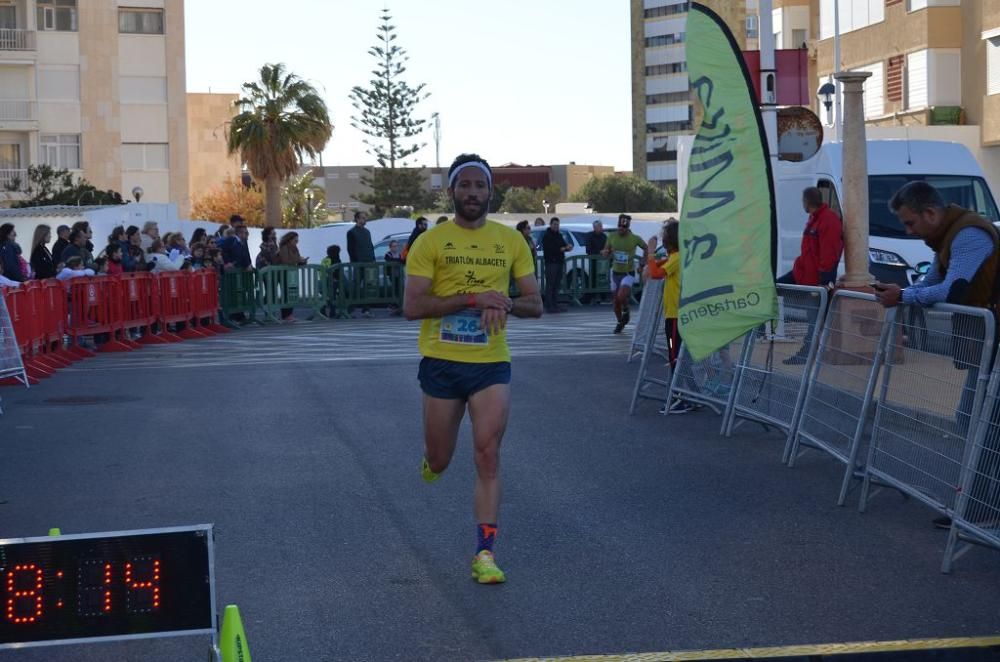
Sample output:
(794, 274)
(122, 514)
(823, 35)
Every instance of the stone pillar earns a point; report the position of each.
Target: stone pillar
(855, 181)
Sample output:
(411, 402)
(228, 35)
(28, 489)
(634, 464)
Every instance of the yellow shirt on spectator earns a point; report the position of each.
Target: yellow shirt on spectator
(672, 286)
(463, 261)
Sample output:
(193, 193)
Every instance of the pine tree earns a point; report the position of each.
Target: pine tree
(386, 114)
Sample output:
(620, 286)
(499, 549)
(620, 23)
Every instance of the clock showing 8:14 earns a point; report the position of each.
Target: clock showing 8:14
(106, 586)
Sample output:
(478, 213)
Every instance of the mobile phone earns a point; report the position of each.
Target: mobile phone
(879, 286)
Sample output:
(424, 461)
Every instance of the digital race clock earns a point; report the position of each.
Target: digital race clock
(107, 586)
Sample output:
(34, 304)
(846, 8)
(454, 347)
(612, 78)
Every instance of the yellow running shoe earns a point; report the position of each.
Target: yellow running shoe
(485, 570)
(425, 471)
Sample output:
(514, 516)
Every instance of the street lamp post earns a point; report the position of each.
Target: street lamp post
(825, 95)
(545, 204)
(309, 204)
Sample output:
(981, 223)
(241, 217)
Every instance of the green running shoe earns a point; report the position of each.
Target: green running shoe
(425, 471)
(485, 570)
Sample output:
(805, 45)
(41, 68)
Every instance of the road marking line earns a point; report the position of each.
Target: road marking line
(743, 654)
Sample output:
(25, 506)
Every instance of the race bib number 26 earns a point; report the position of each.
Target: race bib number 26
(463, 328)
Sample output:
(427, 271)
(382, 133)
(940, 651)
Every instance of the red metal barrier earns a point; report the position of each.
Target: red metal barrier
(43, 313)
(174, 304)
(93, 311)
(205, 291)
(17, 307)
(40, 321)
(33, 330)
(54, 308)
(139, 306)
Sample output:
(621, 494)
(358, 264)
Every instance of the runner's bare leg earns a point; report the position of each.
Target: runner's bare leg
(488, 409)
(441, 421)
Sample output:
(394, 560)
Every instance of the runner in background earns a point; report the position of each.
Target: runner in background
(621, 249)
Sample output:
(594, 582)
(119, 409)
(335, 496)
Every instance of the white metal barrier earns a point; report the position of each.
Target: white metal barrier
(842, 380)
(772, 373)
(932, 387)
(648, 340)
(10, 355)
(650, 316)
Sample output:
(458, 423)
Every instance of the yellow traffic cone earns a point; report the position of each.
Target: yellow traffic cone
(55, 532)
(233, 640)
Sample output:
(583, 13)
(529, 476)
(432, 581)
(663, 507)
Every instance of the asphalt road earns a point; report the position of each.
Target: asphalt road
(301, 443)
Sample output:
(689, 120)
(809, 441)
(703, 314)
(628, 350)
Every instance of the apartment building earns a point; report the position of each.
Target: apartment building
(210, 165)
(661, 105)
(97, 87)
(932, 61)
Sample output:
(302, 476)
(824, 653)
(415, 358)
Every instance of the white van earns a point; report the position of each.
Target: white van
(895, 256)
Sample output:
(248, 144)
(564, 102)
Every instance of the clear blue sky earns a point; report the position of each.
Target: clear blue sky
(528, 81)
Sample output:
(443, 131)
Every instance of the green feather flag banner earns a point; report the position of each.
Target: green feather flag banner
(728, 212)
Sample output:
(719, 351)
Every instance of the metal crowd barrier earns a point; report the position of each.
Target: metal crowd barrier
(588, 276)
(709, 381)
(238, 295)
(842, 380)
(368, 284)
(933, 382)
(976, 518)
(11, 365)
(649, 316)
(772, 372)
(285, 286)
(647, 337)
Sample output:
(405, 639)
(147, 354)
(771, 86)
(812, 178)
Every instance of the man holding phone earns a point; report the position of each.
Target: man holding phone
(965, 251)
(963, 272)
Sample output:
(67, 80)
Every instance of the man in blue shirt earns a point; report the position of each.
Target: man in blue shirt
(964, 272)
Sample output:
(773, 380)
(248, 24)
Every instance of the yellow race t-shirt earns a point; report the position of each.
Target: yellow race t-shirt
(463, 261)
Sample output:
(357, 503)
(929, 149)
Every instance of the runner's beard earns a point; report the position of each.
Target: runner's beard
(462, 210)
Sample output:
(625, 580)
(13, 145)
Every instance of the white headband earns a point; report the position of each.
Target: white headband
(479, 165)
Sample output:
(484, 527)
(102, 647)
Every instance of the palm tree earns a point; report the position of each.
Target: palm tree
(280, 118)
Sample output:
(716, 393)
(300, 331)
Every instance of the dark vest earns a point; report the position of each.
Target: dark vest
(980, 292)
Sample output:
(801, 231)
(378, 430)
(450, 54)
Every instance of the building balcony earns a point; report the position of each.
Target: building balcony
(18, 110)
(13, 180)
(16, 39)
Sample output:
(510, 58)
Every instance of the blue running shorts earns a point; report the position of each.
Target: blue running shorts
(451, 380)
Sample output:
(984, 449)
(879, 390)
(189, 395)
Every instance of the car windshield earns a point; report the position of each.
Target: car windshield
(962, 190)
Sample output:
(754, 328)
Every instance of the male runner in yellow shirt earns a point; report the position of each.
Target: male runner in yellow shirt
(456, 282)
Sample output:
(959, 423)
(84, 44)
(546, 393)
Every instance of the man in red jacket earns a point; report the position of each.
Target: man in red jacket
(822, 246)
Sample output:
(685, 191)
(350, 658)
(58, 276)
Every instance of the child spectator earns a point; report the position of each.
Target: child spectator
(113, 255)
(198, 258)
(216, 261)
(393, 255)
(74, 269)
